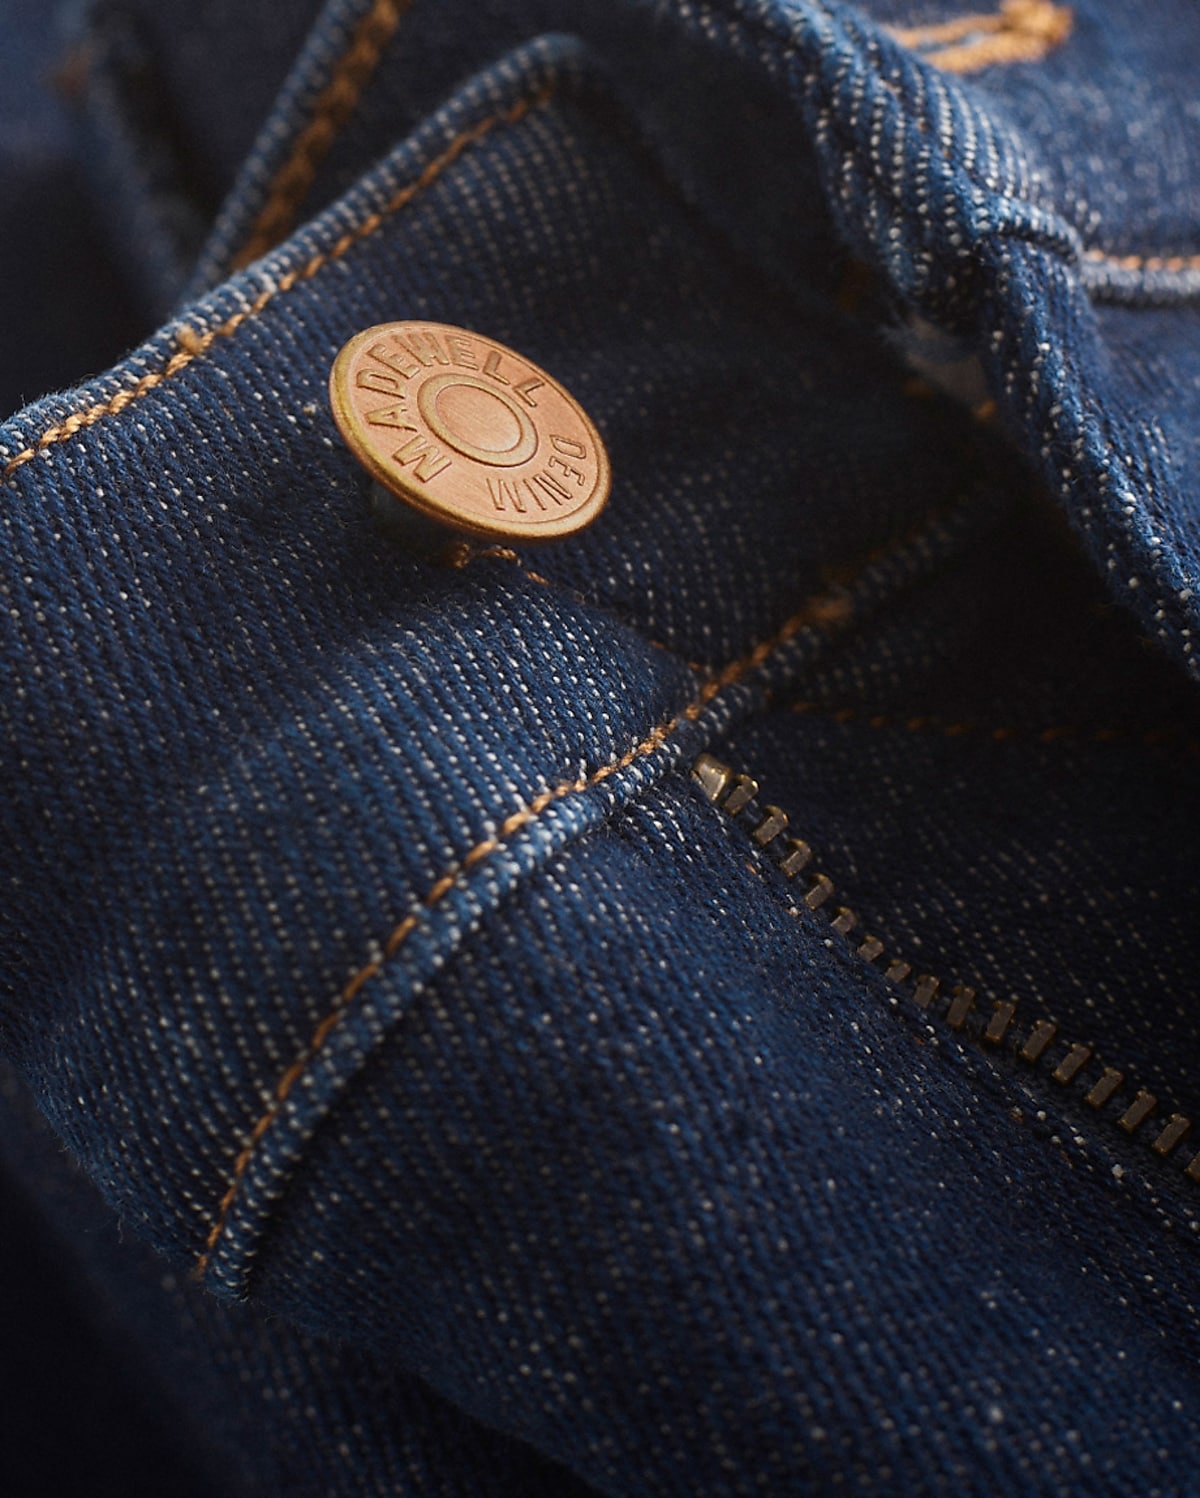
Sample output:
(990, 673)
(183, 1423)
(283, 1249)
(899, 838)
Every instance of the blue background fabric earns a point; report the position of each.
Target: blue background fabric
(455, 1098)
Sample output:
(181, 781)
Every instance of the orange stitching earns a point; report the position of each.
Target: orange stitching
(334, 106)
(1163, 738)
(1173, 263)
(824, 610)
(464, 554)
(1021, 31)
(193, 344)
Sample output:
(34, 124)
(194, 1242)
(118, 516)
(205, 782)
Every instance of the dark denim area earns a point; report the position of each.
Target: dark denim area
(74, 1418)
(138, 1382)
(68, 312)
(461, 1095)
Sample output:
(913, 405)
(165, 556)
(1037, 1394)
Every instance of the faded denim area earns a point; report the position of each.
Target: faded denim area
(504, 1107)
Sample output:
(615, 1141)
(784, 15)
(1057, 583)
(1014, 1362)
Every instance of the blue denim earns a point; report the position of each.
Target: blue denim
(490, 1010)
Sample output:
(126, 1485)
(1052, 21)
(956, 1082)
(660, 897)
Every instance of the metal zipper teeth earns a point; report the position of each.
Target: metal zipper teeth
(1039, 1044)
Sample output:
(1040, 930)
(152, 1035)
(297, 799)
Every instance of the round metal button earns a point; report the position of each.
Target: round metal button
(468, 432)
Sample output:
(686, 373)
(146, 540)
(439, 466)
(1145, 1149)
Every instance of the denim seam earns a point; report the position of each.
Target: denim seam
(1176, 265)
(332, 110)
(1020, 31)
(1072, 422)
(827, 610)
(731, 696)
(1046, 230)
(192, 345)
(1076, 1066)
(1025, 220)
(1149, 279)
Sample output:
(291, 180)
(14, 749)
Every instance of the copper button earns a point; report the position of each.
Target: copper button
(468, 432)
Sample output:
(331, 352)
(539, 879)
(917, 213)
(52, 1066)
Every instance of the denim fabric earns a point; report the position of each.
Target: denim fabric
(230, 1402)
(74, 1416)
(497, 1115)
(175, 94)
(67, 312)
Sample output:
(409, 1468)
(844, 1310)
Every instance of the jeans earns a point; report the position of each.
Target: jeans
(706, 1007)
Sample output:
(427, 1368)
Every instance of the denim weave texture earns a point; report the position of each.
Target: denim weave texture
(436, 1086)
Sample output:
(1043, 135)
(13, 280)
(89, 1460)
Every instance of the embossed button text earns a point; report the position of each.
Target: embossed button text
(469, 432)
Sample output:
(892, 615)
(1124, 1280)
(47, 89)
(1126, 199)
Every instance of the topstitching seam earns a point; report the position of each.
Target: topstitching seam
(1020, 31)
(828, 609)
(331, 111)
(1057, 236)
(1175, 264)
(193, 345)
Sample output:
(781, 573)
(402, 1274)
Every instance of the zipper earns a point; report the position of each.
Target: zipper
(1037, 1044)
